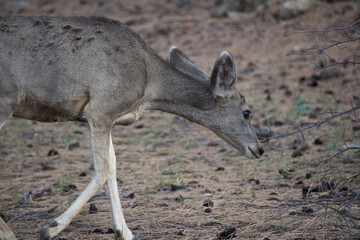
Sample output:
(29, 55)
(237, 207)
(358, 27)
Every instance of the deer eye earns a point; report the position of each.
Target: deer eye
(246, 114)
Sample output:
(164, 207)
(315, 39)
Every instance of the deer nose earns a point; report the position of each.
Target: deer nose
(261, 151)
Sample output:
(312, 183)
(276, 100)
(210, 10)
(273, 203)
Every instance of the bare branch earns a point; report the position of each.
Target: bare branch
(311, 125)
(338, 37)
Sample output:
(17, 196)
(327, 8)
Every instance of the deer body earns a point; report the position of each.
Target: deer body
(98, 71)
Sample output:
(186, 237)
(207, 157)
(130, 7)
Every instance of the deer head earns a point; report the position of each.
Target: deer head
(229, 116)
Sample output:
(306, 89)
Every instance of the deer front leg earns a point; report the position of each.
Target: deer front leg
(122, 232)
(100, 145)
(5, 231)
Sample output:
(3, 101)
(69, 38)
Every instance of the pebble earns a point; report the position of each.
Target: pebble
(208, 203)
(72, 146)
(228, 233)
(128, 194)
(208, 210)
(53, 152)
(93, 208)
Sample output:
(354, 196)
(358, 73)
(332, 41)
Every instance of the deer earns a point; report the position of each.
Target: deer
(97, 70)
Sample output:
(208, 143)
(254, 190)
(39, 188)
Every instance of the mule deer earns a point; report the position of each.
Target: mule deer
(98, 71)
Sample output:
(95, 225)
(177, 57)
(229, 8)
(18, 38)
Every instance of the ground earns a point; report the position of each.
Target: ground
(264, 198)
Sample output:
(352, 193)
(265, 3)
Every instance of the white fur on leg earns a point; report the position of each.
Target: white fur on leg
(5, 231)
(3, 120)
(100, 150)
(117, 213)
(64, 219)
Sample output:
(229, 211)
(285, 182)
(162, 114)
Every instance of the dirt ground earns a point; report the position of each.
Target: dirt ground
(173, 165)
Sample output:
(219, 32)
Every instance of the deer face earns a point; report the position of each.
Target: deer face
(229, 118)
(231, 121)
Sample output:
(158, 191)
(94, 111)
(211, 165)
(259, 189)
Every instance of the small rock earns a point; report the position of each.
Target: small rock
(99, 194)
(330, 92)
(191, 146)
(318, 141)
(307, 210)
(161, 205)
(300, 182)
(284, 173)
(208, 191)
(302, 79)
(296, 153)
(139, 228)
(356, 127)
(175, 187)
(305, 190)
(220, 169)
(278, 123)
(97, 230)
(93, 208)
(29, 135)
(228, 233)
(46, 166)
(179, 199)
(168, 173)
(72, 146)
(214, 143)
(53, 152)
(208, 210)
(313, 83)
(128, 194)
(208, 203)
(69, 187)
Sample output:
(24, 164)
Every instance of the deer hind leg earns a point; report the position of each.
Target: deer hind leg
(5, 114)
(100, 145)
(122, 232)
(5, 231)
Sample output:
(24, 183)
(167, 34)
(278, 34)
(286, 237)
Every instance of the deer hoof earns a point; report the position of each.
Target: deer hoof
(44, 234)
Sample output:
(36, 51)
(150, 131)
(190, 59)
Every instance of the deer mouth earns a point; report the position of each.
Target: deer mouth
(253, 153)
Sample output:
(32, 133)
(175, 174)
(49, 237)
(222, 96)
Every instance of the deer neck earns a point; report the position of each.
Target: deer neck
(174, 92)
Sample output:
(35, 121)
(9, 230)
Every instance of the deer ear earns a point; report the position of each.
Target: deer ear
(223, 76)
(183, 64)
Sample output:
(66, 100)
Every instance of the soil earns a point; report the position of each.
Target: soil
(176, 168)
